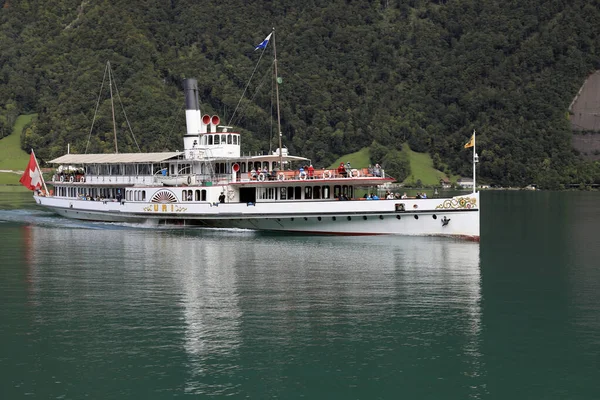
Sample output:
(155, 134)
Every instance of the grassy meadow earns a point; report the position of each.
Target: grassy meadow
(11, 155)
(421, 166)
(360, 159)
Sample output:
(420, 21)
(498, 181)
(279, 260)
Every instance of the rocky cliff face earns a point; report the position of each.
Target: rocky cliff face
(585, 118)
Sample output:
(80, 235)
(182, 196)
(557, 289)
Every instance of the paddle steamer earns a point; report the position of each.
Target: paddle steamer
(211, 184)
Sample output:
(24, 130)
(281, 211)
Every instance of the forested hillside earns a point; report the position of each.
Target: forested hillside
(355, 73)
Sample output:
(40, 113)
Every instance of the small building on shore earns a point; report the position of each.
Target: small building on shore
(466, 183)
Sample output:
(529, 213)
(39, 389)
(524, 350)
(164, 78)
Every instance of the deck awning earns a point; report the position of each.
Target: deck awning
(121, 158)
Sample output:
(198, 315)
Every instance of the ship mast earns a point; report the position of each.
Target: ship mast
(112, 106)
(475, 161)
(277, 99)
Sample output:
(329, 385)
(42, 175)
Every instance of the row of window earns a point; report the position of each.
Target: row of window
(181, 169)
(222, 138)
(135, 169)
(316, 192)
(174, 169)
(225, 168)
(135, 195)
(258, 166)
(193, 195)
(118, 169)
(94, 193)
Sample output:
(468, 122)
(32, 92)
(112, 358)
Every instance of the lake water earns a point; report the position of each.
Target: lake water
(129, 311)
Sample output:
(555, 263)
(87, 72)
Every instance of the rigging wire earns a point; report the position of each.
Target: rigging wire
(246, 88)
(258, 87)
(108, 71)
(126, 119)
(96, 111)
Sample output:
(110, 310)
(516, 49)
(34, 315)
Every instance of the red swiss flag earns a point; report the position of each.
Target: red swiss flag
(32, 177)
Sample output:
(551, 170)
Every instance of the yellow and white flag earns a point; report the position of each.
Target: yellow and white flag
(471, 142)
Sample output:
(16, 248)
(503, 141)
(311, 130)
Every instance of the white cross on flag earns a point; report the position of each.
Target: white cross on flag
(32, 177)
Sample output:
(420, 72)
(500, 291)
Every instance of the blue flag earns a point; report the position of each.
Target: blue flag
(264, 43)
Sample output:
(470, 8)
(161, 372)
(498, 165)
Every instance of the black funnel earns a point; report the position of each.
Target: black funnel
(190, 89)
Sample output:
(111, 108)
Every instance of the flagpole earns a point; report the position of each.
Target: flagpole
(39, 169)
(277, 95)
(474, 161)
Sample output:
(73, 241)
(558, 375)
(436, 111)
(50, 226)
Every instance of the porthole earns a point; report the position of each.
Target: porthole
(381, 216)
(333, 218)
(416, 217)
(349, 218)
(318, 218)
(365, 217)
(434, 216)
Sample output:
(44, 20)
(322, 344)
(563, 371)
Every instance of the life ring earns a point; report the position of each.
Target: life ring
(326, 174)
(82, 179)
(281, 176)
(62, 178)
(302, 175)
(261, 177)
(189, 180)
(355, 173)
(71, 179)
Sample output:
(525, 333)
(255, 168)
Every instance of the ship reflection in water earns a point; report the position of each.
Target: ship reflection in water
(238, 312)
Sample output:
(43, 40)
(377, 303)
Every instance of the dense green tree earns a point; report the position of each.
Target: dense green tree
(396, 164)
(355, 74)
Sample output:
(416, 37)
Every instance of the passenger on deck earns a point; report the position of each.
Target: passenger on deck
(311, 172)
(222, 198)
(348, 170)
(342, 171)
(377, 170)
(253, 174)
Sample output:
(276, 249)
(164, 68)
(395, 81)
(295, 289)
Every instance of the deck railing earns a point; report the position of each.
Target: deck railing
(304, 175)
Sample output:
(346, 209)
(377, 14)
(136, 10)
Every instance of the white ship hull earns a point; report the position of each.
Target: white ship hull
(423, 217)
